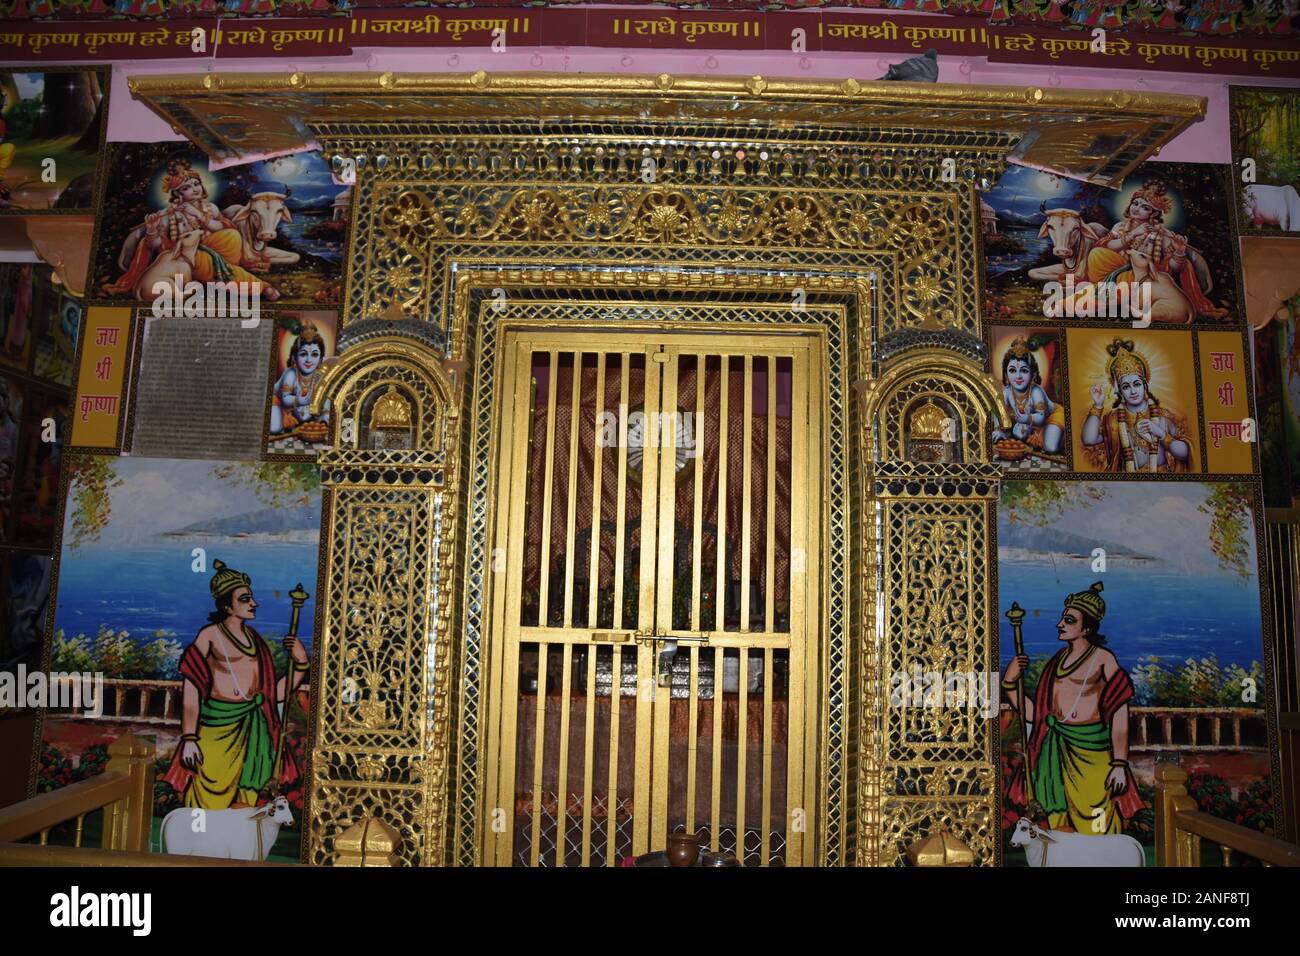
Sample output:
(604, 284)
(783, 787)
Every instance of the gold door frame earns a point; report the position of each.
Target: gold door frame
(800, 641)
(764, 190)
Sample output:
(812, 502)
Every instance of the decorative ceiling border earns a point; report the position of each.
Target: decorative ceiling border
(1096, 135)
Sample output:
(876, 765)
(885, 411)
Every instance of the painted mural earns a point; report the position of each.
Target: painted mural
(302, 344)
(1266, 150)
(1285, 329)
(189, 580)
(281, 223)
(1141, 636)
(25, 588)
(50, 127)
(1159, 249)
(1133, 399)
(12, 402)
(1031, 373)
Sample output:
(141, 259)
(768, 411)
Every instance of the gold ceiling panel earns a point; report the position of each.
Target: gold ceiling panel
(1096, 135)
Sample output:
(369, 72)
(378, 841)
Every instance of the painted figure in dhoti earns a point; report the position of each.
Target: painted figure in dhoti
(1138, 430)
(217, 256)
(1035, 418)
(230, 716)
(1079, 720)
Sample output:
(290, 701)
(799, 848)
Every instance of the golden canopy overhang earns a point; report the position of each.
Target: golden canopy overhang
(1092, 135)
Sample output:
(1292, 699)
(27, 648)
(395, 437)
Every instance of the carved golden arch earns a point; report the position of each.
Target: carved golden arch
(369, 368)
(929, 374)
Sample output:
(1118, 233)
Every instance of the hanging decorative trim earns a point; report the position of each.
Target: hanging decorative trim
(1279, 18)
(501, 29)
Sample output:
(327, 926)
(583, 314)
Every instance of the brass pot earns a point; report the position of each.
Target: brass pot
(683, 849)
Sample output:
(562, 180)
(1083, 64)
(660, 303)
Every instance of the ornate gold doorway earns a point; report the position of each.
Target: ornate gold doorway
(657, 535)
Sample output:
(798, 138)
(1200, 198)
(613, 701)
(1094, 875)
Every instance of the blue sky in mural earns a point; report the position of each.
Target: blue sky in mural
(1166, 593)
(138, 576)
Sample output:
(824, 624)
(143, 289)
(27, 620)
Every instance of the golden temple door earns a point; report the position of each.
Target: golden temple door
(656, 654)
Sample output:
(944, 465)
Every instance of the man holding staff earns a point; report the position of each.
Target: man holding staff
(1078, 746)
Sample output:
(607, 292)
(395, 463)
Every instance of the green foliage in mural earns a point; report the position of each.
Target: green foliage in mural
(115, 654)
(91, 479)
(1040, 503)
(1229, 507)
(1196, 683)
(1269, 125)
(278, 483)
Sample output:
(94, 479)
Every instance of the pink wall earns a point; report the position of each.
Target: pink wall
(1207, 141)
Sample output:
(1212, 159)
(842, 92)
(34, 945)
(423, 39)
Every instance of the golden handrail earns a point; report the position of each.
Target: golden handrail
(1180, 826)
(124, 791)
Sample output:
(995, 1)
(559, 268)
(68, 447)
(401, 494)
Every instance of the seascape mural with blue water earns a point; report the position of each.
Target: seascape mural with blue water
(1179, 574)
(140, 548)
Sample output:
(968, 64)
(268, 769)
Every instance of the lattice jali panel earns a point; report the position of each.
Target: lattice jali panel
(379, 566)
(936, 673)
(973, 820)
(336, 806)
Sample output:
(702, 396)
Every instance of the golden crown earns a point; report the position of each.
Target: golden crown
(1019, 348)
(1125, 360)
(227, 579)
(391, 411)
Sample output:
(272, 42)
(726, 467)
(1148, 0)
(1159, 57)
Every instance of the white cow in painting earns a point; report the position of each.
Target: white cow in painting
(244, 834)
(257, 223)
(1072, 239)
(1272, 206)
(1058, 848)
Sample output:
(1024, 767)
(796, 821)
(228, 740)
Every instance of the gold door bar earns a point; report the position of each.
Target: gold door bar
(571, 521)
(543, 615)
(611, 802)
(588, 751)
(746, 480)
(715, 782)
(665, 443)
(767, 751)
(742, 745)
(562, 786)
(539, 743)
(620, 521)
(597, 465)
(769, 569)
(697, 543)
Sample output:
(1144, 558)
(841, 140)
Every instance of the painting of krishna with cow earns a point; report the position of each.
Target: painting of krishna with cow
(1063, 249)
(280, 222)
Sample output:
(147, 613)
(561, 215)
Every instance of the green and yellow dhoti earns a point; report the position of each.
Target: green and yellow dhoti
(237, 754)
(1070, 778)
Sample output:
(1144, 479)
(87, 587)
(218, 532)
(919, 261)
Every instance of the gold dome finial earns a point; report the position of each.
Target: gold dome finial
(391, 411)
(927, 422)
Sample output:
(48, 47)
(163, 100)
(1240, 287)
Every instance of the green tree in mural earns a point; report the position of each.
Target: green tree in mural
(1269, 133)
(279, 484)
(91, 479)
(1041, 503)
(1229, 506)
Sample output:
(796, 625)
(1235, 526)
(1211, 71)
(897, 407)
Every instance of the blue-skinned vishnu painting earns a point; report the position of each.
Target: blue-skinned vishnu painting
(189, 584)
(1142, 640)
